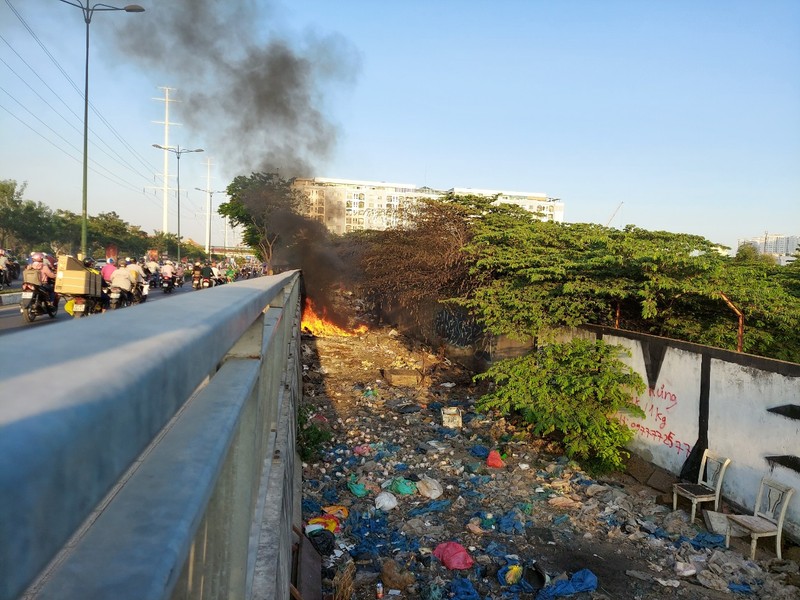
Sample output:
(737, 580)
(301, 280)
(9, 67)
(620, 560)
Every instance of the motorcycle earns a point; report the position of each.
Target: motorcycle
(167, 284)
(206, 282)
(196, 281)
(140, 292)
(118, 298)
(36, 301)
(85, 305)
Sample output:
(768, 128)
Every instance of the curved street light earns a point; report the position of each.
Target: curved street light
(209, 204)
(177, 151)
(88, 12)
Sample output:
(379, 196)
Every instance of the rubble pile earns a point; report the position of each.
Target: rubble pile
(419, 496)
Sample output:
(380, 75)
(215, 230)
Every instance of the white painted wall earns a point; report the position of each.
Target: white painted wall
(739, 425)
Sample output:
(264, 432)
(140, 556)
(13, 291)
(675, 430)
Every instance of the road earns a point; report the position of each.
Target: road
(11, 320)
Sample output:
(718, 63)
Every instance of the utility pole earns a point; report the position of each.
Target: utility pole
(166, 123)
(209, 205)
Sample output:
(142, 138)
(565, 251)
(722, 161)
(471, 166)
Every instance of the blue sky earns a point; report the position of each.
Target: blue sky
(679, 115)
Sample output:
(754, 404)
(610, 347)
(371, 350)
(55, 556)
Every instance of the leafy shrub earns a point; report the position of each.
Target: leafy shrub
(574, 389)
(310, 437)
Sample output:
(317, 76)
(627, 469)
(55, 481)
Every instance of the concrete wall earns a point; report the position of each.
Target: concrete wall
(700, 397)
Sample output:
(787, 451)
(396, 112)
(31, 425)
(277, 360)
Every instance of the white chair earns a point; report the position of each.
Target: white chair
(767, 518)
(709, 483)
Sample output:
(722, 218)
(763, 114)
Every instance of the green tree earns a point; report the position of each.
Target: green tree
(576, 390)
(24, 224)
(749, 254)
(259, 204)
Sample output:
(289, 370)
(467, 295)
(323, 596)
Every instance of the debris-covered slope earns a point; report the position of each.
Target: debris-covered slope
(482, 510)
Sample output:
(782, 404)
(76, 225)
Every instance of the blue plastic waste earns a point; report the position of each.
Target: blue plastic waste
(740, 588)
(330, 495)
(510, 523)
(311, 507)
(479, 451)
(462, 589)
(582, 581)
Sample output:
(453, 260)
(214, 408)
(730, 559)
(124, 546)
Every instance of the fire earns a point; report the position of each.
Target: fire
(320, 326)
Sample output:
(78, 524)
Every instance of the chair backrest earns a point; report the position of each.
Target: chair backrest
(712, 470)
(772, 500)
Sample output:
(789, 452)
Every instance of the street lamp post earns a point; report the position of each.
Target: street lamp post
(88, 12)
(177, 151)
(209, 205)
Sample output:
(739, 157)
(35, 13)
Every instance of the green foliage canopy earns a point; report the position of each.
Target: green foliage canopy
(574, 389)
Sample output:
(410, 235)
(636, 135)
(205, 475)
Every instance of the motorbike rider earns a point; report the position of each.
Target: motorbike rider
(217, 275)
(108, 269)
(168, 270)
(137, 275)
(136, 271)
(5, 274)
(180, 274)
(121, 278)
(153, 270)
(208, 273)
(47, 277)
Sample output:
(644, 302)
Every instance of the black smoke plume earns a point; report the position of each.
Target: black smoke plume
(254, 95)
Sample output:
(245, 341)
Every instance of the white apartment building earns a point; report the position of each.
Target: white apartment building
(346, 205)
(775, 244)
(551, 208)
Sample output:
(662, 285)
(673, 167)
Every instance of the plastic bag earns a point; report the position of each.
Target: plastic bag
(329, 522)
(494, 460)
(359, 489)
(429, 487)
(453, 556)
(402, 486)
(582, 581)
(385, 501)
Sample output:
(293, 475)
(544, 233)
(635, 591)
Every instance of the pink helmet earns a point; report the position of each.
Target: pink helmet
(37, 257)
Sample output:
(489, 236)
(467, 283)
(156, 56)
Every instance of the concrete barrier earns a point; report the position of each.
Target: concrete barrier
(138, 449)
(12, 298)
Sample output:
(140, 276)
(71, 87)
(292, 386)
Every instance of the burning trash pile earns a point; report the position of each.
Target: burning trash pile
(416, 495)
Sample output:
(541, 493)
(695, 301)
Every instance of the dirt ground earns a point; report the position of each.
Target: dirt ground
(381, 396)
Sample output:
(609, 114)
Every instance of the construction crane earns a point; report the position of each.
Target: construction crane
(614, 214)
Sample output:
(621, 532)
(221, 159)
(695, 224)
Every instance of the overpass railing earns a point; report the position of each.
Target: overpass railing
(149, 453)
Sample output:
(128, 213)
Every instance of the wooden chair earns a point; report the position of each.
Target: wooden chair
(767, 518)
(709, 483)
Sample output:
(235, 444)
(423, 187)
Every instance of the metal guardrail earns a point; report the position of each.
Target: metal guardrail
(149, 453)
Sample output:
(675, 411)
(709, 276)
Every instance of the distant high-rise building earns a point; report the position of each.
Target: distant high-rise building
(772, 243)
(345, 205)
(552, 209)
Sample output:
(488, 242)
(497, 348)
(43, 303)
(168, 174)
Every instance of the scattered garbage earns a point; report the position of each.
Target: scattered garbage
(422, 494)
(451, 417)
(453, 556)
(385, 501)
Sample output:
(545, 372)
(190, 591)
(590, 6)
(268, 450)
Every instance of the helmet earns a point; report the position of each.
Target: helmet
(169, 262)
(197, 263)
(88, 261)
(128, 261)
(110, 261)
(37, 257)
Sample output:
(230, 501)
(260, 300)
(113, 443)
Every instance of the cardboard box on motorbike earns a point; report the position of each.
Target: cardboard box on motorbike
(72, 278)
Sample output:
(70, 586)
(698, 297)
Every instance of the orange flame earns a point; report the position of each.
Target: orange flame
(321, 326)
